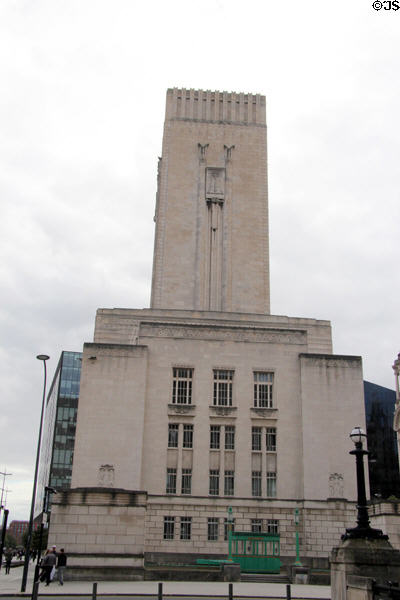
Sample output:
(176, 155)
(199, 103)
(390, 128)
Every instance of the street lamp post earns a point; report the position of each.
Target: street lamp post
(296, 522)
(363, 529)
(5, 474)
(3, 534)
(230, 527)
(42, 357)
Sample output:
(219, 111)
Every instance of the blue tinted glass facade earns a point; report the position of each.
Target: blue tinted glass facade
(58, 440)
(65, 420)
(383, 463)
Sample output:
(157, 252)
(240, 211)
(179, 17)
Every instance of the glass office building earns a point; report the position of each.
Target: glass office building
(383, 465)
(59, 427)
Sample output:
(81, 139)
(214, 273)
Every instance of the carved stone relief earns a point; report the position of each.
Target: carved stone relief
(106, 476)
(221, 333)
(181, 409)
(215, 183)
(228, 152)
(223, 411)
(336, 482)
(202, 151)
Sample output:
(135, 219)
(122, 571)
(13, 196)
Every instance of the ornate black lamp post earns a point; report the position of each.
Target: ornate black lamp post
(363, 529)
(42, 357)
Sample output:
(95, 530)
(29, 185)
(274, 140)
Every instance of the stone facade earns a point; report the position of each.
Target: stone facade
(205, 400)
(211, 243)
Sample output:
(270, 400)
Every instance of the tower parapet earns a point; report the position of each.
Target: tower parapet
(215, 107)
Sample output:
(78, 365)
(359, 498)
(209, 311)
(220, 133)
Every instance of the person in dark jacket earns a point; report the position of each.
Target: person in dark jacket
(9, 556)
(48, 563)
(61, 564)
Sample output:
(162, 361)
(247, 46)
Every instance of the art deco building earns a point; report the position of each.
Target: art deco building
(205, 400)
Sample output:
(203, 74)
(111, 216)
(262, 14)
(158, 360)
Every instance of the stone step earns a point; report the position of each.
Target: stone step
(265, 577)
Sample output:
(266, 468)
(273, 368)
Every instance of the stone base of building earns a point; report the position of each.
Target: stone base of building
(106, 531)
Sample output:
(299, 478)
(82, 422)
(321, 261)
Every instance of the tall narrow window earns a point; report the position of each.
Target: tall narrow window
(229, 437)
(212, 529)
(169, 528)
(263, 383)
(188, 436)
(215, 434)
(256, 483)
(271, 484)
(256, 438)
(271, 439)
(222, 388)
(171, 481)
(186, 481)
(186, 528)
(182, 386)
(214, 482)
(256, 525)
(173, 431)
(229, 483)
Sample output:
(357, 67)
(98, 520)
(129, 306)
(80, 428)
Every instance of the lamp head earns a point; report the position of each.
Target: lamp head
(358, 435)
(42, 357)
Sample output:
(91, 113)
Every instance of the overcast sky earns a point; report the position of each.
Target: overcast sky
(82, 97)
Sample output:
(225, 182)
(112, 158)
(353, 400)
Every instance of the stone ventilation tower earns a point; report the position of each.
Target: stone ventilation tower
(211, 242)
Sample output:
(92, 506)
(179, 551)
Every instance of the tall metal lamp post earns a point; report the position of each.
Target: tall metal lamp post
(42, 357)
(296, 523)
(229, 521)
(363, 529)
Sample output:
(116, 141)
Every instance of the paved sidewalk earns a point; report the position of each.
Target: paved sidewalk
(10, 585)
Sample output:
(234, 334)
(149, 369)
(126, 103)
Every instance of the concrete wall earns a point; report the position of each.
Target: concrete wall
(332, 403)
(99, 526)
(109, 434)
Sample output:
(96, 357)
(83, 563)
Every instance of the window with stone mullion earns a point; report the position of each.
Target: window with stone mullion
(271, 484)
(187, 436)
(171, 481)
(169, 528)
(214, 482)
(256, 483)
(229, 437)
(256, 525)
(186, 528)
(212, 529)
(229, 483)
(263, 386)
(173, 432)
(215, 435)
(273, 526)
(222, 388)
(186, 481)
(182, 386)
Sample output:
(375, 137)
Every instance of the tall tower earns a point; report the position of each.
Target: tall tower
(211, 240)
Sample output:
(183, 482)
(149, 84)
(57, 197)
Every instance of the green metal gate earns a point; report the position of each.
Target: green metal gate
(255, 552)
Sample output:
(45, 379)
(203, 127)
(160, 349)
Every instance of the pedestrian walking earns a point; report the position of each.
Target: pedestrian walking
(48, 563)
(8, 556)
(61, 564)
